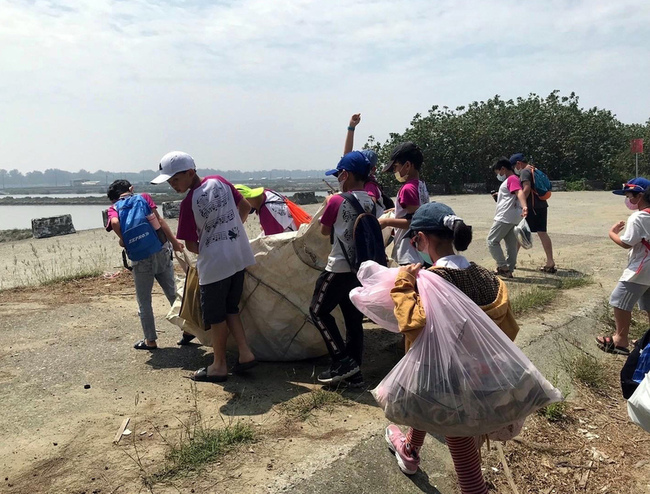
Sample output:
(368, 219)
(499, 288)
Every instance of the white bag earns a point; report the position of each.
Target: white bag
(524, 235)
(638, 406)
(462, 376)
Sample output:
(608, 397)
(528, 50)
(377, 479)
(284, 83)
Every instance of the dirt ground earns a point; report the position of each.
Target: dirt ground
(69, 376)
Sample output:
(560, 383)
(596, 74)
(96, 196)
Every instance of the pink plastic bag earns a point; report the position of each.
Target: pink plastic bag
(462, 376)
(373, 298)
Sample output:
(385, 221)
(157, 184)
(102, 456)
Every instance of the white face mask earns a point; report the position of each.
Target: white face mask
(341, 182)
(501, 178)
(517, 171)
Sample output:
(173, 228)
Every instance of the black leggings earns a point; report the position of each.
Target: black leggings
(333, 289)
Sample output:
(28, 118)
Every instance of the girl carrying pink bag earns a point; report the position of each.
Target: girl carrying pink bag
(461, 376)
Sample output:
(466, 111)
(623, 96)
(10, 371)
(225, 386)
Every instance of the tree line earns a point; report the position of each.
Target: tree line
(565, 140)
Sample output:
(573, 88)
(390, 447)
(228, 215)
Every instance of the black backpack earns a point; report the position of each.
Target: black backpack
(366, 236)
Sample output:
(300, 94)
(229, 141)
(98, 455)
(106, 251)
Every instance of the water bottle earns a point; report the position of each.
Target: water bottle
(643, 365)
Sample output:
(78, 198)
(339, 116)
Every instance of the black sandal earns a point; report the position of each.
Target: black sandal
(201, 375)
(141, 345)
(185, 339)
(548, 269)
(607, 345)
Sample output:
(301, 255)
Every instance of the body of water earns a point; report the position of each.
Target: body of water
(84, 217)
(22, 196)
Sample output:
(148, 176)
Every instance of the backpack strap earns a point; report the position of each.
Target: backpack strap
(351, 198)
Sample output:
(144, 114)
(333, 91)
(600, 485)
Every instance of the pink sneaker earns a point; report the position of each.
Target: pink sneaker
(408, 462)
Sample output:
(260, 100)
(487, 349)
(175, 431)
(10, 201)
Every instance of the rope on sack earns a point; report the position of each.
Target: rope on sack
(260, 282)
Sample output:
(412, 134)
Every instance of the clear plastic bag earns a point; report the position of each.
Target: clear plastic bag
(373, 298)
(462, 376)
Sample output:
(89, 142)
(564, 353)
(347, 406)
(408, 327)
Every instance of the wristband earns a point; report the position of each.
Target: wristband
(351, 128)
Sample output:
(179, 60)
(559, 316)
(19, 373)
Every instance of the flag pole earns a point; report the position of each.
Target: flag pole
(637, 164)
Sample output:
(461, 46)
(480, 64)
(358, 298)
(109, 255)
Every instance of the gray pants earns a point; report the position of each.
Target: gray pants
(161, 268)
(498, 232)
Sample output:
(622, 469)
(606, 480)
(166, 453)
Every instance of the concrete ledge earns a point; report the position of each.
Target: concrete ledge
(53, 226)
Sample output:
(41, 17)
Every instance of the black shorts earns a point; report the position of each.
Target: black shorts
(536, 219)
(221, 298)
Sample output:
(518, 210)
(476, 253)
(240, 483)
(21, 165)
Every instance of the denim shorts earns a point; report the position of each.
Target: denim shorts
(221, 298)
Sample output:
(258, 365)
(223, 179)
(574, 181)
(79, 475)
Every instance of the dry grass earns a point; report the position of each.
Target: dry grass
(303, 406)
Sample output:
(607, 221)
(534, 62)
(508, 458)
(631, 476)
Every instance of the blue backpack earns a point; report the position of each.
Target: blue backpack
(140, 238)
(541, 184)
(366, 236)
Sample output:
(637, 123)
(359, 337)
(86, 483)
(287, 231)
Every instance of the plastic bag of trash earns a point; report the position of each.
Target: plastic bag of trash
(462, 376)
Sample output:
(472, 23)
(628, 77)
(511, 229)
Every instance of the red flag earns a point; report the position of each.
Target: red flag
(636, 146)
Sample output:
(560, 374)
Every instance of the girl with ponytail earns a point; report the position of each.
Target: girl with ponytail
(438, 232)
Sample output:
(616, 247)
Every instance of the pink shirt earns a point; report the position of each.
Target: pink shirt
(187, 229)
(112, 213)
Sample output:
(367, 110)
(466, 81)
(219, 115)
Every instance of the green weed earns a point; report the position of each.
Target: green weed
(533, 298)
(588, 370)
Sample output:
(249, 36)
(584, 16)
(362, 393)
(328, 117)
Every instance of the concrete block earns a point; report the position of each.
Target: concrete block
(475, 188)
(171, 209)
(558, 185)
(302, 198)
(52, 227)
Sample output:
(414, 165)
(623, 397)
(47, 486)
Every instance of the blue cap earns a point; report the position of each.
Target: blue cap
(639, 184)
(372, 157)
(355, 162)
(430, 217)
(517, 157)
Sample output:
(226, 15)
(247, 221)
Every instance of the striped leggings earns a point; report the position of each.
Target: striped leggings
(464, 453)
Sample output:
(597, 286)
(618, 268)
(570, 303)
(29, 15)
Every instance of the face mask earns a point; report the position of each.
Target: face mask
(399, 178)
(501, 178)
(425, 257)
(341, 182)
(517, 171)
(631, 205)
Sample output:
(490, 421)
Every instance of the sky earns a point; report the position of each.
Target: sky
(259, 84)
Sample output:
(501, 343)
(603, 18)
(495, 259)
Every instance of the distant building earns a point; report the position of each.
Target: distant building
(84, 183)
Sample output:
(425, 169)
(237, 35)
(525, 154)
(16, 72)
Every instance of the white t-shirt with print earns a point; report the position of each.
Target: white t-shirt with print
(340, 215)
(637, 228)
(413, 193)
(279, 210)
(508, 208)
(223, 245)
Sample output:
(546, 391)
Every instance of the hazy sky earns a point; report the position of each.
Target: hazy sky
(257, 84)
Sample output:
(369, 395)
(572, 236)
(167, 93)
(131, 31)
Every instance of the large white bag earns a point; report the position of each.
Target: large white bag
(638, 406)
(462, 376)
(277, 292)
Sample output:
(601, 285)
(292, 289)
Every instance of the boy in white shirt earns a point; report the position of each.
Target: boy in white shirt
(634, 284)
(211, 223)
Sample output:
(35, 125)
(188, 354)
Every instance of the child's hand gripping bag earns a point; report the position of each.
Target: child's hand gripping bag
(462, 376)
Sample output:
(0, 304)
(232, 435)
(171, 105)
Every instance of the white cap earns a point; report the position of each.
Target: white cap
(173, 163)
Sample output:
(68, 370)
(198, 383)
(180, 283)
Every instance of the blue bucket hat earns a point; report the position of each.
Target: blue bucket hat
(431, 217)
(355, 162)
(639, 184)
